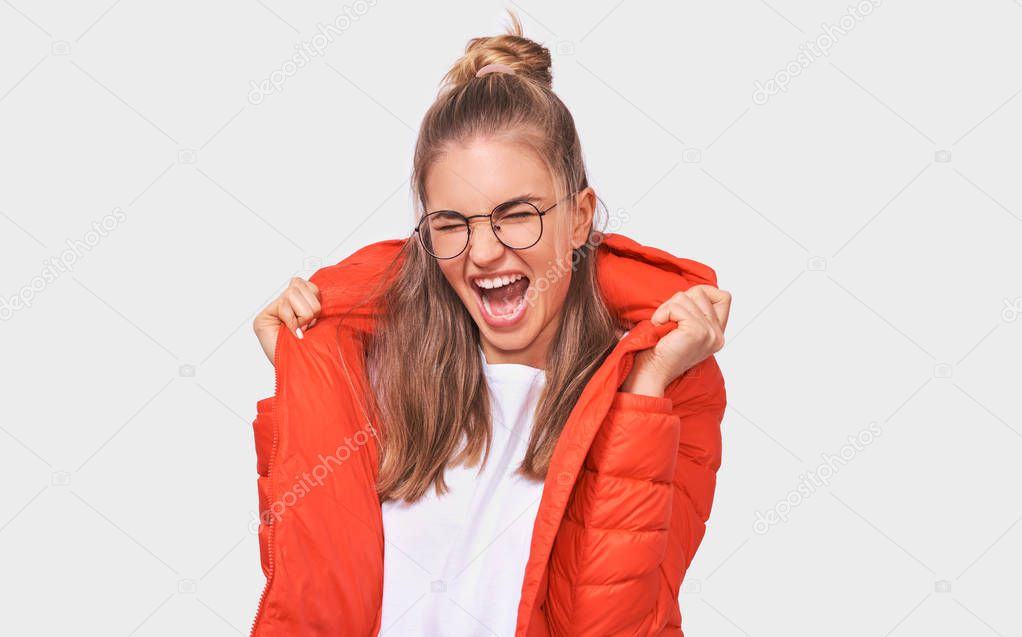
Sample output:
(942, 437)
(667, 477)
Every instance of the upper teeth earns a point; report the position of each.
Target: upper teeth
(499, 281)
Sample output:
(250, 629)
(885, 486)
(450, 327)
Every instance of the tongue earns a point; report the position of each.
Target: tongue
(504, 300)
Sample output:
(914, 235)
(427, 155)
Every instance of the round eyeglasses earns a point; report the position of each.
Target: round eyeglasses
(517, 224)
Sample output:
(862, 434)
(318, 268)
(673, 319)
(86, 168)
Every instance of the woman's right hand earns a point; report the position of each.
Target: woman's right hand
(297, 308)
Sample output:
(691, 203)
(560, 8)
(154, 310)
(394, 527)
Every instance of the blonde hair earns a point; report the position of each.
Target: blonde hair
(423, 359)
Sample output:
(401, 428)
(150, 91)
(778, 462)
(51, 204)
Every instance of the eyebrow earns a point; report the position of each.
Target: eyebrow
(528, 196)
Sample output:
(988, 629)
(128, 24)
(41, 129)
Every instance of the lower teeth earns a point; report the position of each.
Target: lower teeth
(486, 303)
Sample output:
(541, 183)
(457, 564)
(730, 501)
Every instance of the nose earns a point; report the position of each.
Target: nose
(483, 247)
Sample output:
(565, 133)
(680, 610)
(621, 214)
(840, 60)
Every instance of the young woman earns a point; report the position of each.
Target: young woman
(507, 423)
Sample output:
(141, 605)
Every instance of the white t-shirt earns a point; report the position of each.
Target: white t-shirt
(454, 565)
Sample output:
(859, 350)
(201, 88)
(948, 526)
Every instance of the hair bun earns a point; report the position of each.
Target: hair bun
(526, 57)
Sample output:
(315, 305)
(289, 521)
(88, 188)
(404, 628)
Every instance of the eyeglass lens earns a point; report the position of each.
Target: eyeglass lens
(517, 225)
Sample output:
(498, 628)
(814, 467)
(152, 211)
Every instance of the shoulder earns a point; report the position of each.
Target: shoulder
(322, 352)
(635, 279)
(367, 262)
(350, 288)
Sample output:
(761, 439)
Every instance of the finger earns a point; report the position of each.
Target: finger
(689, 303)
(685, 298)
(287, 315)
(701, 299)
(709, 323)
(683, 309)
(713, 323)
(313, 287)
(661, 313)
(299, 305)
(723, 308)
(312, 301)
(687, 311)
(308, 286)
(721, 300)
(685, 315)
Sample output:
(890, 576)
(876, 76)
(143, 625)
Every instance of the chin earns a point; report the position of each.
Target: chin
(514, 341)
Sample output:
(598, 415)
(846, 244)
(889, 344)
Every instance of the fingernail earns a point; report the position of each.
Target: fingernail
(298, 332)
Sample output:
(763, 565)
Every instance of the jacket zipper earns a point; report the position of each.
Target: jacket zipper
(644, 341)
(269, 481)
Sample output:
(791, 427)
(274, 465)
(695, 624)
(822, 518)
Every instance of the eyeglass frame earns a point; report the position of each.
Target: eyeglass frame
(468, 223)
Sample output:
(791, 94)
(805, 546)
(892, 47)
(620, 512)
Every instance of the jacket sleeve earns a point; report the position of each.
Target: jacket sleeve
(639, 511)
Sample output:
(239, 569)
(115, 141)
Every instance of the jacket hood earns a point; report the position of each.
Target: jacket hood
(620, 263)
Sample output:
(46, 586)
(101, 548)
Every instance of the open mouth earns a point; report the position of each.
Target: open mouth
(502, 297)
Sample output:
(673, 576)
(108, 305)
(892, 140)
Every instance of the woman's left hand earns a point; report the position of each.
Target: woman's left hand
(701, 313)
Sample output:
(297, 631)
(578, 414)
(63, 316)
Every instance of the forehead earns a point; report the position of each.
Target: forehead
(484, 173)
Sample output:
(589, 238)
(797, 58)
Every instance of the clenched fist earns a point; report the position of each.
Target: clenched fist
(701, 313)
(297, 308)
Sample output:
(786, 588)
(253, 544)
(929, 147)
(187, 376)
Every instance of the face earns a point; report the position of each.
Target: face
(517, 319)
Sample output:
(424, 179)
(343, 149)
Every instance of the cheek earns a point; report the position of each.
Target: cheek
(552, 278)
(453, 276)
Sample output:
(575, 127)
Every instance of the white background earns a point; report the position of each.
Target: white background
(867, 221)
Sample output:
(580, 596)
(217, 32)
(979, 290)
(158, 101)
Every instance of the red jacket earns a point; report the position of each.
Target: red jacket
(624, 504)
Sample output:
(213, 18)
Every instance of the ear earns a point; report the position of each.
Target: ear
(582, 219)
